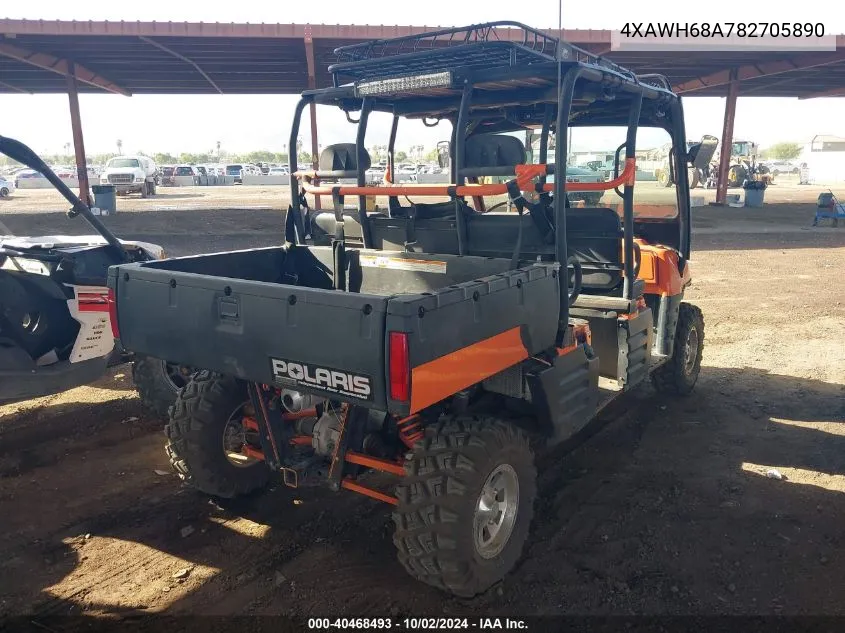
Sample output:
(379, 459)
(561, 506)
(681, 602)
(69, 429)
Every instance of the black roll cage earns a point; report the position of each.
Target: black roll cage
(576, 93)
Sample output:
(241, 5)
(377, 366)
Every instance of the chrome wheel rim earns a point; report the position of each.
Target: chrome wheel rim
(235, 436)
(495, 511)
(691, 351)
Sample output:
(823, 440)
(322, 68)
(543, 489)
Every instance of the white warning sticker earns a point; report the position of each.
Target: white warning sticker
(400, 263)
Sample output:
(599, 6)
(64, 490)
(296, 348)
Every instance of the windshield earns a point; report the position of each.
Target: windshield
(184, 171)
(739, 149)
(233, 169)
(122, 163)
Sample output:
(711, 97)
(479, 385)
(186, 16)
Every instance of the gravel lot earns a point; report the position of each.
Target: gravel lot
(666, 509)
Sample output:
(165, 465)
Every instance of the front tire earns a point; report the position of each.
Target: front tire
(4, 192)
(679, 375)
(158, 383)
(466, 504)
(207, 414)
(737, 175)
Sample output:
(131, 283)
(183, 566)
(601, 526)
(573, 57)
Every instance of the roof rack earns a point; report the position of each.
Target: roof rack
(502, 43)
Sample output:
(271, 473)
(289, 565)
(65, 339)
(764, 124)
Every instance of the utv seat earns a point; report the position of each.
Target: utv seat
(594, 235)
(429, 225)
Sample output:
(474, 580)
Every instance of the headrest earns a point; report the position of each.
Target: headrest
(342, 157)
(493, 150)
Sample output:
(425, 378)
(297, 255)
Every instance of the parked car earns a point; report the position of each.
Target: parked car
(187, 170)
(237, 171)
(406, 173)
(278, 171)
(7, 187)
(131, 174)
(26, 174)
(166, 175)
(375, 174)
(782, 167)
(582, 174)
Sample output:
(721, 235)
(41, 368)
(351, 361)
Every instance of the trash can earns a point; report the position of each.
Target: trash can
(754, 193)
(105, 198)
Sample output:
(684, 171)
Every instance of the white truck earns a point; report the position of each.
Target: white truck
(131, 174)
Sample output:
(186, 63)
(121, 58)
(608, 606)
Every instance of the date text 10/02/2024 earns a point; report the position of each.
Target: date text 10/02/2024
(417, 624)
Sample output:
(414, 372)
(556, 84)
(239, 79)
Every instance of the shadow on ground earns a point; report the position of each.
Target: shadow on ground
(665, 509)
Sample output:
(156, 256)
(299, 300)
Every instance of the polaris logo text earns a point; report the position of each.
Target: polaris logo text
(339, 382)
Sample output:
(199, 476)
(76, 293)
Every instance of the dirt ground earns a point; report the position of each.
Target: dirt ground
(665, 509)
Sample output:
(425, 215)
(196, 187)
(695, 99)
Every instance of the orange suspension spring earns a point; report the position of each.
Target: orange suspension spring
(410, 430)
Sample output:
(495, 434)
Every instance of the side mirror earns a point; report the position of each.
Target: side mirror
(444, 151)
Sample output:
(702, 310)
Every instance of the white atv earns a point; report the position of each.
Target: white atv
(55, 310)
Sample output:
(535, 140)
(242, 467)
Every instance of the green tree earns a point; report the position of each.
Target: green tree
(401, 156)
(192, 159)
(784, 151)
(164, 158)
(261, 156)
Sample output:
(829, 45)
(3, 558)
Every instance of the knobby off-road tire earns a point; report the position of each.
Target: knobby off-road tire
(156, 387)
(680, 374)
(195, 437)
(436, 533)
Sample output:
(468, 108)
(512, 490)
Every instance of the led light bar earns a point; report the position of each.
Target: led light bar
(396, 85)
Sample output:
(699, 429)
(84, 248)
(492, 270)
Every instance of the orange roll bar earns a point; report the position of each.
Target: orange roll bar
(525, 175)
(348, 484)
(376, 463)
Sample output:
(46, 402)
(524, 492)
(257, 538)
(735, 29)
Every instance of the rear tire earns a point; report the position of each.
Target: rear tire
(4, 192)
(158, 383)
(679, 375)
(198, 425)
(451, 495)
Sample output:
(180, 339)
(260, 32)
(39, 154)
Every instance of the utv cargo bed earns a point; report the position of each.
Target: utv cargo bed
(271, 316)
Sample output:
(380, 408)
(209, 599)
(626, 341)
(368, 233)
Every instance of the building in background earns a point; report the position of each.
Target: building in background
(825, 158)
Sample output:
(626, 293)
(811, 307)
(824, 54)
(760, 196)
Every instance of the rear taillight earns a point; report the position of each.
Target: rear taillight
(112, 299)
(400, 370)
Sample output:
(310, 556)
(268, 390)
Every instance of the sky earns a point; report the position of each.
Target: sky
(243, 123)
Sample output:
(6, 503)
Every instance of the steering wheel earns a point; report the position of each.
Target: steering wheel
(576, 287)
